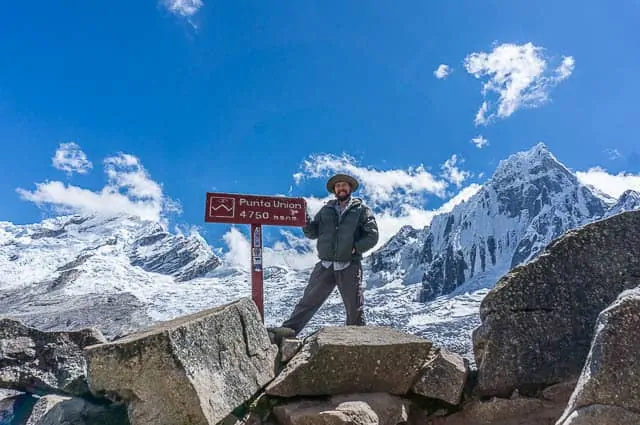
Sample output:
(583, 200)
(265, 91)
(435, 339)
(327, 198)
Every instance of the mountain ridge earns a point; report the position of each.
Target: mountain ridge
(531, 199)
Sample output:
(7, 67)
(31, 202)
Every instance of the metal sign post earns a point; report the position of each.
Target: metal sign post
(257, 211)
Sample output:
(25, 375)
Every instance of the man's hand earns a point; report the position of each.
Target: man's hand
(353, 250)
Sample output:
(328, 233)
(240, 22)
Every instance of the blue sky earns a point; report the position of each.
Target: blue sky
(178, 98)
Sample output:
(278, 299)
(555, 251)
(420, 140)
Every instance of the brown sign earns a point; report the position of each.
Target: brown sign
(253, 209)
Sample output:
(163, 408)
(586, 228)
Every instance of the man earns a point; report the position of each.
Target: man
(345, 229)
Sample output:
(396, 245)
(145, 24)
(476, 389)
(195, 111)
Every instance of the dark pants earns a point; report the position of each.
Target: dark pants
(321, 283)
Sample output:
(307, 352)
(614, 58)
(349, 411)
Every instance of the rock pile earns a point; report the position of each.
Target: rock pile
(557, 345)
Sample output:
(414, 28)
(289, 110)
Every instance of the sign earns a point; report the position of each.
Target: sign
(257, 211)
(252, 209)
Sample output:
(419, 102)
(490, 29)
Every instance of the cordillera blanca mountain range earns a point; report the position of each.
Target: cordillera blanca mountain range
(121, 273)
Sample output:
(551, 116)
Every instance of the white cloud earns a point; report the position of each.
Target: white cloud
(452, 173)
(479, 141)
(377, 186)
(443, 71)
(71, 159)
(611, 184)
(397, 196)
(292, 252)
(185, 8)
(519, 74)
(129, 190)
(239, 249)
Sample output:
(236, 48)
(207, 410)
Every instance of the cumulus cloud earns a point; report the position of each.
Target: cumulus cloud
(129, 190)
(71, 159)
(380, 186)
(398, 197)
(292, 251)
(185, 8)
(452, 173)
(520, 75)
(479, 141)
(443, 71)
(611, 184)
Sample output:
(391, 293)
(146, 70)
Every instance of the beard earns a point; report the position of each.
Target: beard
(343, 195)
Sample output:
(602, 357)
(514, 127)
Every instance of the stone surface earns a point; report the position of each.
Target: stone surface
(195, 369)
(538, 322)
(289, 347)
(503, 411)
(40, 362)
(559, 393)
(610, 379)
(443, 377)
(61, 410)
(601, 415)
(353, 359)
(346, 409)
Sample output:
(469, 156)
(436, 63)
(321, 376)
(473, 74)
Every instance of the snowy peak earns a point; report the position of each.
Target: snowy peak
(531, 199)
(533, 163)
(64, 249)
(629, 200)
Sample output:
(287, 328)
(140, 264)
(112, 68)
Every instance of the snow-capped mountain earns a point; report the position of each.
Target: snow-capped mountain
(530, 200)
(628, 201)
(75, 270)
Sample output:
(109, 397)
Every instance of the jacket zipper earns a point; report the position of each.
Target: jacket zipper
(335, 239)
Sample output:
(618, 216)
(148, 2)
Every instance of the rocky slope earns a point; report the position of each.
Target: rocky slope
(531, 199)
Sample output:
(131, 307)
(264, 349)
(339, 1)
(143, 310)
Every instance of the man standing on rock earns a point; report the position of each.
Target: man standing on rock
(344, 228)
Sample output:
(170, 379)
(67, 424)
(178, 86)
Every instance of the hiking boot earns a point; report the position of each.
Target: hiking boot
(276, 334)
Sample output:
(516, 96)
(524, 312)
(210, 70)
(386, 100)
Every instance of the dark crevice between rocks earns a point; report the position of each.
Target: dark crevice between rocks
(260, 405)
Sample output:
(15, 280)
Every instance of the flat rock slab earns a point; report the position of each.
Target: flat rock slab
(443, 377)
(353, 359)
(346, 409)
(42, 362)
(194, 370)
(503, 411)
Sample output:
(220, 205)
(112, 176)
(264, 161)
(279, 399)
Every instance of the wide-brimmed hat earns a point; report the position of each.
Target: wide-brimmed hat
(342, 178)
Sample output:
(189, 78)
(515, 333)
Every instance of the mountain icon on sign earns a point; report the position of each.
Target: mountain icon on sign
(223, 207)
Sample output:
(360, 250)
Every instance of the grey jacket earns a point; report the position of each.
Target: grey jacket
(338, 235)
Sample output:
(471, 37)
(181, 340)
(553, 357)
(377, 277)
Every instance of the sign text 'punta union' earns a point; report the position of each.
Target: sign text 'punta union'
(254, 209)
(271, 203)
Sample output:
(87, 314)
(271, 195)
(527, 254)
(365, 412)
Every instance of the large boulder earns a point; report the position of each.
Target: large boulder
(608, 390)
(538, 322)
(195, 369)
(353, 359)
(41, 362)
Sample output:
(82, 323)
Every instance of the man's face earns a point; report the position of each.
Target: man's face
(342, 190)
